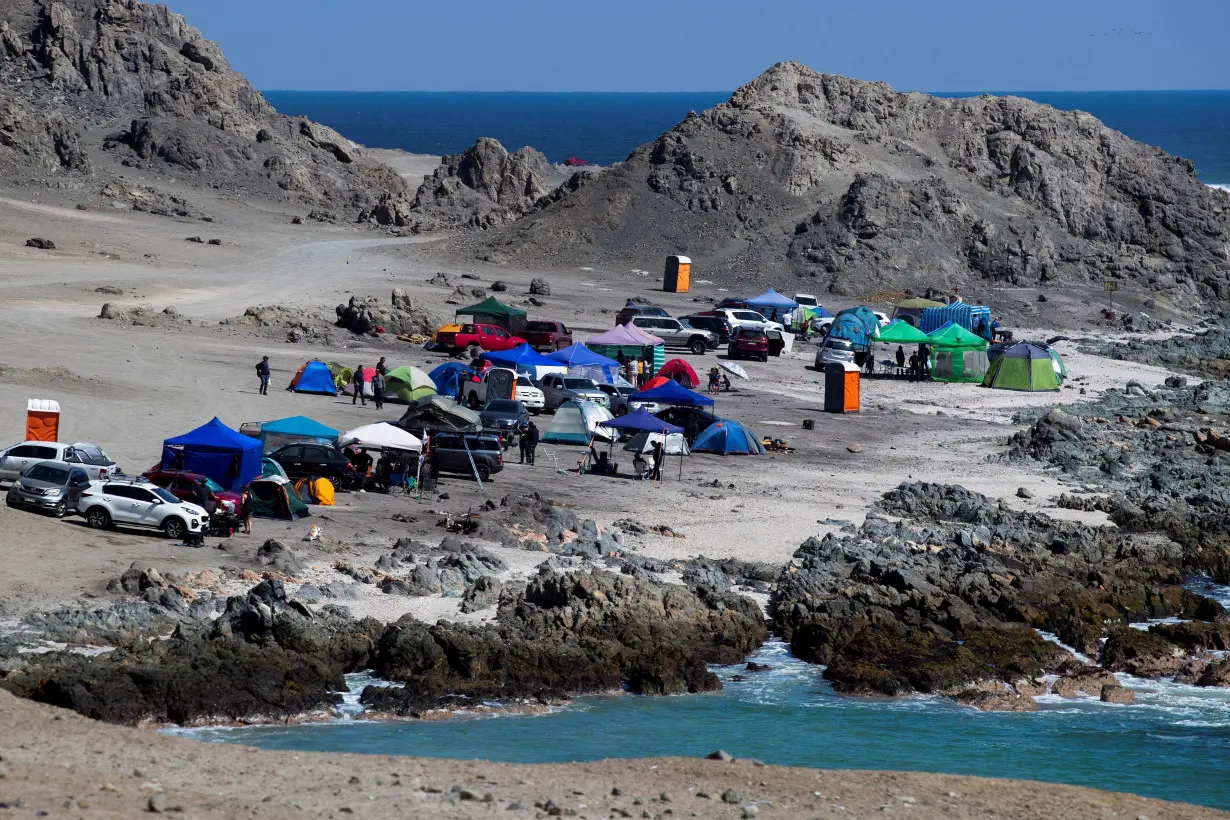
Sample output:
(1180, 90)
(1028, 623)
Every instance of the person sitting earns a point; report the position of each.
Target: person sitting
(725, 383)
(640, 467)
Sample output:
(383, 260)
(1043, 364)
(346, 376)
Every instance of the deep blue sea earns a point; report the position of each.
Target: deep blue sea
(1173, 744)
(604, 128)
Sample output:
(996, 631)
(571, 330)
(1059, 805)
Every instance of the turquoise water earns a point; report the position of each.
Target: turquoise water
(1174, 744)
(605, 127)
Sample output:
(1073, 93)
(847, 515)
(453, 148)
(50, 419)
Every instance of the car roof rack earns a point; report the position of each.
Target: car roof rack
(125, 478)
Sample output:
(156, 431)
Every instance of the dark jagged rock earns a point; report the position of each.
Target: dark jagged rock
(1205, 354)
(481, 187)
(865, 188)
(568, 634)
(364, 314)
(483, 593)
(41, 244)
(1140, 653)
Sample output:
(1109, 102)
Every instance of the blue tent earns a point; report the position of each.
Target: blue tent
(641, 419)
(314, 377)
(449, 377)
(728, 438)
(523, 359)
(216, 451)
(295, 428)
(865, 315)
(772, 299)
(582, 361)
(672, 393)
(849, 327)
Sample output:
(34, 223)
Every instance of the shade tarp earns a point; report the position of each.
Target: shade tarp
(728, 438)
(577, 422)
(381, 436)
(405, 384)
(672, 393)
(772, 299)
(959, 313)
(216, 451)
(673, 444)
(492, 306)
(917, 304)
(954, 336)
(850, 328)
(435, 413)
(641, 419)
(900, 332)
(680, 371)
(866, 317)
(313, 377)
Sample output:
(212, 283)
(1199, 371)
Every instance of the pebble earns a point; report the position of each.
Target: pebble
(751, 811)
(466, 794)
(616, 792)
(854, 448)
(731, 796)
(719, 755)
(157, 803)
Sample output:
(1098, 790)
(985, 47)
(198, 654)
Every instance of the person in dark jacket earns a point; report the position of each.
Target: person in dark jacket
(262, 370)
(531, 446)
(381, 367)
(523, 444)
(356, 381)
(900, 356)
(659, 455)
(203, 498)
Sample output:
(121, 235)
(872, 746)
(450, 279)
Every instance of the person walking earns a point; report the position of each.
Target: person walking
(262, 370)
(356, 382)
(378, 387)
(523, 444)
(532, 444)
(245, 510)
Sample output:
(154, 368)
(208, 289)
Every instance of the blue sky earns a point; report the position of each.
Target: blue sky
(701, 45)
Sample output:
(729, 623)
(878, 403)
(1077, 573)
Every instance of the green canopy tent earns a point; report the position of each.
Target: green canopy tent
(492, 311)
(957, 355)
(899, 332)
(1023, 366)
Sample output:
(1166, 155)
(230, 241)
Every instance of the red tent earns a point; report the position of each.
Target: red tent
(368, 374)
(682, 372)
(656, 381)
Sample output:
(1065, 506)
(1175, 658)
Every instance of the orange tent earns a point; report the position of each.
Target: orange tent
(656, 381)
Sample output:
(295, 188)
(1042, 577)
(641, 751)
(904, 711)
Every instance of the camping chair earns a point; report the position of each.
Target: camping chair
(641, 468)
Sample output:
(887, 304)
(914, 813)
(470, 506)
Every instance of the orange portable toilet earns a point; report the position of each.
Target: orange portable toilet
(678, 278)
(841, 387)
(42, 420)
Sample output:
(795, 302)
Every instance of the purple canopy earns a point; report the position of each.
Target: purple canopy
(624, 336)
(640, 419)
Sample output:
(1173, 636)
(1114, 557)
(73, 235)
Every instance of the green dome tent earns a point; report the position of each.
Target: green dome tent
(407, 384)
(1023, 366)
(957, 355)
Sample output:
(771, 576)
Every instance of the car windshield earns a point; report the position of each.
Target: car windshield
(164, 495)
(502, 406)
(44, 472)
(578, 384)
(214, 487)
(540, 327)
(805, 301)
(751, 333)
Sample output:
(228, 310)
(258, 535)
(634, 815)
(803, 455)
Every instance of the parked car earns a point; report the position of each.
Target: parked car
(834, 350)
(476, 337)
(305, 460)
(547, 334)
(558, 388)
(625, 315)
(676, 334)
(619, 397)
(49, 485)
(474, 394)
(452, 452)
(504, 416)
(747, 318)
(732, 303)
(136, 502)
(807, 300)
(711, 322)
(182, 485)
(749, 343)
(97, 464)
(693, 420)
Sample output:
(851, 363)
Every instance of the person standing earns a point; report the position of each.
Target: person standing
(356, 382)
(659, 454)
(900, 357)
(245, 510)
(523, 444)
(203, 498)
(381, 368)
(378, 386)
(262, 370)
(532, 444)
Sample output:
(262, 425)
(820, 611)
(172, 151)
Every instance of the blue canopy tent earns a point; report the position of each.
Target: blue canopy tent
(295, 428)
(581, 361)
(772, 304)
(865, 315)
(449, 377)
(672, 392)
(728, 438)
(851, 328)
(641, 420)
(526, 360)
(216, 451)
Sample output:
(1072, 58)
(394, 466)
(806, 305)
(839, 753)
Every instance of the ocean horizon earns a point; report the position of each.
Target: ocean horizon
(604, 127)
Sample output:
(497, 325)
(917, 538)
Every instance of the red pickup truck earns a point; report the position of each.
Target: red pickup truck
(485, 337)
(545, 334)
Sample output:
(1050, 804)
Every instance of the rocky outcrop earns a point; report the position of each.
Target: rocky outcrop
(1205, 354)
(364, 314)
(568, 634)
(169, 104)
(482, 187)
(863, 189)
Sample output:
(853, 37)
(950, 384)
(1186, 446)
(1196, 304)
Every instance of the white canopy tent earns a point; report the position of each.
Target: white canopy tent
(381, 436)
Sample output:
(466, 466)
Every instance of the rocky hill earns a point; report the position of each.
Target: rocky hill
(859, 188)
(89, 88)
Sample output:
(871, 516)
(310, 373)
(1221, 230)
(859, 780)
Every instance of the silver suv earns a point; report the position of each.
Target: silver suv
(18, 458)
(558, 388)
(49, 485)
(676, 334)
(136, 502)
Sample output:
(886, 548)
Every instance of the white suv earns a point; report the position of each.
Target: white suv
(747, 318)
(136, 502)
(90, 457)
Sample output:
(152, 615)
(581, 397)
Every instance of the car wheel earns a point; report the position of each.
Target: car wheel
(698, 346)
(484, 472)
(175, 528)
(8, 499)
(60, 509)
(98, 518)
